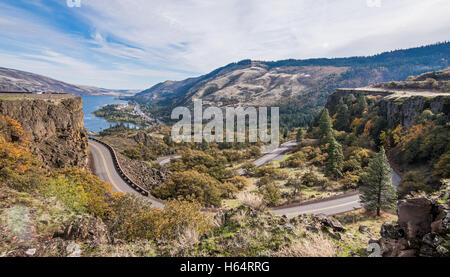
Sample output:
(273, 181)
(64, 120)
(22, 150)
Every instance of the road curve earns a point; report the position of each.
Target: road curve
(328, 207)
(105, 170)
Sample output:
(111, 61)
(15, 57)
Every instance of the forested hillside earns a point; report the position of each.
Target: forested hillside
(410, 122)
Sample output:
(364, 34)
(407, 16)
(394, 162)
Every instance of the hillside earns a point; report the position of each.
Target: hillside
(409, 119)
(438, 81)
(297, 86)
(21, 81)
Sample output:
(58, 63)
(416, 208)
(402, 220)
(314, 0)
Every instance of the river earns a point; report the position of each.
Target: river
(93, 103)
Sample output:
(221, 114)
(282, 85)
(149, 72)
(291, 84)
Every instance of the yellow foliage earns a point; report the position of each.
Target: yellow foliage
(368, 128)
(397, 134)
(355, 124)
(69, 192)
(18, 168)
(100, 194)
(151, 223)
(12, 130)
(240, 182)
(385, 138)
(413, 133)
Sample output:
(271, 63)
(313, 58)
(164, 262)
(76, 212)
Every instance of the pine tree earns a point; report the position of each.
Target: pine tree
(300, 135)
(342, 117)
(325, 126)
(362, 104)
(377, 191)
(335, 157)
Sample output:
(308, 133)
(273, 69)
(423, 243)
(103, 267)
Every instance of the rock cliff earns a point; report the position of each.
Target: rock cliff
(398, 106)
(423, 229)
(54, 126)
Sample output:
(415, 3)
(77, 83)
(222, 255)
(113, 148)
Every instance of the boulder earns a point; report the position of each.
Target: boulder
(391, 231)
(415, 216)
(392, 247)
(364, 229)
(331, 222)
(87, 229)
(422, 230)
(410, 253)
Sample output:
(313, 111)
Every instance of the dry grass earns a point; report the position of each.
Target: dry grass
(187, 237)
(252, 200)
(314, 245)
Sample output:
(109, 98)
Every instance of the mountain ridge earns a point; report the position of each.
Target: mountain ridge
(22, 81)
(297, 86)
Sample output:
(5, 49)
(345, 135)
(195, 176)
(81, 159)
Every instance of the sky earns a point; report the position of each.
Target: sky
(135, 44)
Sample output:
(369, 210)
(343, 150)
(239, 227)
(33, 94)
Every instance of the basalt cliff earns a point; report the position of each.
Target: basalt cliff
(54, 126)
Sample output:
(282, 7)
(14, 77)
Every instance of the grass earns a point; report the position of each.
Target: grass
(354, 243)
(10, 98)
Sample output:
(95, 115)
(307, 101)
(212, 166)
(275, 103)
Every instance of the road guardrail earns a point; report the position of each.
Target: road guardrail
(119, 169)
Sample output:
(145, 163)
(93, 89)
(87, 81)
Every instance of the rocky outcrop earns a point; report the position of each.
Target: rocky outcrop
(87, 229)
(54, 126)
(397, 107)
(142, 174)
(423, 229)
(404, 111)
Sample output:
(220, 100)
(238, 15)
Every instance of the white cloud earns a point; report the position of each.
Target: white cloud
(179, 38)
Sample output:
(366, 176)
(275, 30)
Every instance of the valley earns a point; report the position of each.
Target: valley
(127, 191)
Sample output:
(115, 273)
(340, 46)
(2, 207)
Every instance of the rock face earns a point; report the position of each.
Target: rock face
(87, 229)
(423, 229)
(54, 125)
(404, 111)
(142, 174)
(398, 107)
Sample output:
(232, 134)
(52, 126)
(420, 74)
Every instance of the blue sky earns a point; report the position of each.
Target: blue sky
(135, 44)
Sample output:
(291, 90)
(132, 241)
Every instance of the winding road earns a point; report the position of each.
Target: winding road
(104, 168)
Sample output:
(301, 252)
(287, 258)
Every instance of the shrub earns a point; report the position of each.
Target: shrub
(295, 183)
(18, 168)
(240, 182)
(136, 220)
(442, 167)
(310, 179)
(273, 172)
(413, 181)
(350, 181)
(249, 169)
(271, 194)
(351, 165)
(263, 181)
(100, 195)
(191, 185)
(295, 161)
(69, 192)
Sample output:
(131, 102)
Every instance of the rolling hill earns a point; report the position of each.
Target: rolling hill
(21, 81)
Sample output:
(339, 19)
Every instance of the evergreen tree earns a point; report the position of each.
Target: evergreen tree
(335, 157)
(362, 104)
(377, 191)
(325, 126)
(351, 99)
(300, 135)
(342, 117)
